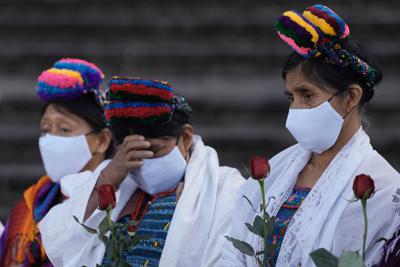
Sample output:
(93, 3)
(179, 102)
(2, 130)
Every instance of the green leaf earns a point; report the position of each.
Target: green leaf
(103, 239)
(87, 228)
(253, 230)
(260, 253)
(351, 259)
(103, 227)
(323, 258)
(242, 246)
(123, 264)
(258, 225)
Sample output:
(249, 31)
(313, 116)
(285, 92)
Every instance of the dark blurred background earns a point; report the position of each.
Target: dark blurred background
(223, 55)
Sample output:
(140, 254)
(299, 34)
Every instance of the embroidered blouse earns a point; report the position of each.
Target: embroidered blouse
(284, 217)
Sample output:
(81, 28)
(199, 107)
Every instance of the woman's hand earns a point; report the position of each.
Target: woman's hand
(129, 156)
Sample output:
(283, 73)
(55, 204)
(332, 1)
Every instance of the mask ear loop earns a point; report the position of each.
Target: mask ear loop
(338, 93)
(349, 112)
(345, 116)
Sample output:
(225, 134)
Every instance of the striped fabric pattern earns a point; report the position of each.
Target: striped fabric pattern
(154, 226)
(299, 33)
(68, 79)
(91, 74)
(139, 101)
(20, 243)
(328, 22)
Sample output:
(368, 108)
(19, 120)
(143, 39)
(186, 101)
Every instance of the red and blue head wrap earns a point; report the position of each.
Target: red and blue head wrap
(139, 101)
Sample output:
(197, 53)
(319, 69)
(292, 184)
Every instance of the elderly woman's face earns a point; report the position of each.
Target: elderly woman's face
(57, 121)
(302, 93)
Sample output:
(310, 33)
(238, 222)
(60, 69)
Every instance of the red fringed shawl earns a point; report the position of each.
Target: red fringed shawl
(21, 242)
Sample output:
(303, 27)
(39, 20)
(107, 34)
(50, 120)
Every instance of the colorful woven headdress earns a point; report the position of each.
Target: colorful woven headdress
(69, 78)
(320, 32)
(139, 101)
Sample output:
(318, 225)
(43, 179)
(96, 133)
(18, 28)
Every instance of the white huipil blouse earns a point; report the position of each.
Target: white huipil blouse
(327, 218)
(195, 237)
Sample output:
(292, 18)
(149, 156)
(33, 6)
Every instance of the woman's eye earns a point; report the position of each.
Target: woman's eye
(65, 130)
(307, 96)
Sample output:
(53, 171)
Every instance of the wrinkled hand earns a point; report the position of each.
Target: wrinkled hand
(129, 156)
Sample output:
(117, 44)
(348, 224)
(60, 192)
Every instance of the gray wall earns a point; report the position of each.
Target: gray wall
(224, 56)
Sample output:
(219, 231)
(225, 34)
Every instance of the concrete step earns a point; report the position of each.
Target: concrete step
(231, 126)
(224, 56)
(178, 16)
(233, 92)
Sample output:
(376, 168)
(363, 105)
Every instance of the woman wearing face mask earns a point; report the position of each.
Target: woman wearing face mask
(157, 151)
(74, 139)
(328, 81)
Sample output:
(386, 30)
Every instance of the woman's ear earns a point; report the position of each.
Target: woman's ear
(187, 137)
(355, 94)
(105, 138)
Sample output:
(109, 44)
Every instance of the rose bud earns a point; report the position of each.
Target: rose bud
(363, 186)
(259, 167)
(106, 193)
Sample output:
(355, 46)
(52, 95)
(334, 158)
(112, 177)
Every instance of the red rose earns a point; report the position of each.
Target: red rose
(106, 193)
(259, 167)
(363, 186)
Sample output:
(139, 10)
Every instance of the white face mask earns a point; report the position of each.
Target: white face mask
(160, 174)
(63, 155)
(316, 129)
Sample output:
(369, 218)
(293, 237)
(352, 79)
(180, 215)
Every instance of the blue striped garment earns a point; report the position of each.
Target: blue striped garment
(154, 226)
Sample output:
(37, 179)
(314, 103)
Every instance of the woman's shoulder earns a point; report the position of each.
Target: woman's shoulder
(383, 173)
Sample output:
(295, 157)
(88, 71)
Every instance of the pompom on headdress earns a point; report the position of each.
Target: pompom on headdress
(139, 101)
(69, 78)
(320, 32)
